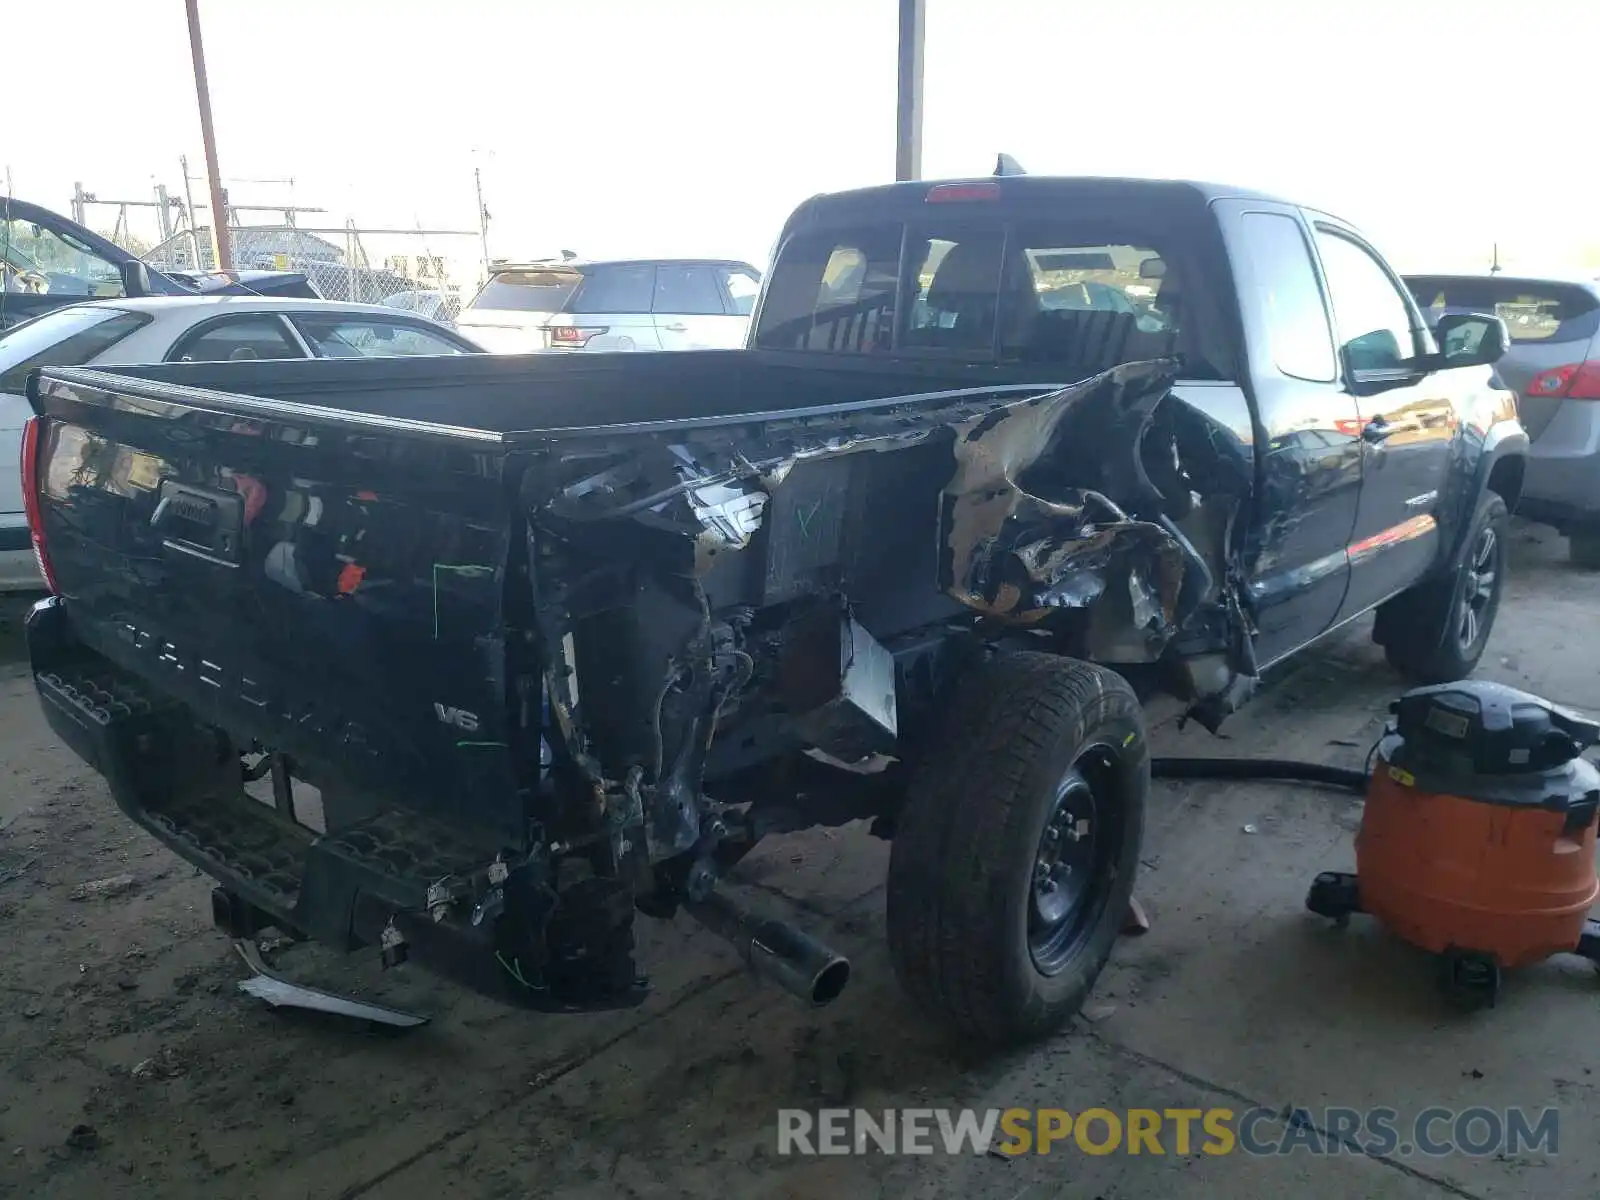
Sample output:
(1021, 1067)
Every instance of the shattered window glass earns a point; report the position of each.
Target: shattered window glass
(833, 290)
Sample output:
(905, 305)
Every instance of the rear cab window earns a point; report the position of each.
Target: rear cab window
(1533, 310)
(67, 337)
(1081, 291)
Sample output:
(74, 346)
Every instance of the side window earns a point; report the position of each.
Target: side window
(619, 289)
(689, 290)
(743, 288)
(45, 261)
(1297, 318)
(1373, 317)
(368, 337)
(233, 339)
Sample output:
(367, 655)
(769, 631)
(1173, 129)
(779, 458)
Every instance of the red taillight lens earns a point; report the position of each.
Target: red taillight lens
(1585, 383)
(1575, 381)
(32, 444)
(957, 193)
(573, 335)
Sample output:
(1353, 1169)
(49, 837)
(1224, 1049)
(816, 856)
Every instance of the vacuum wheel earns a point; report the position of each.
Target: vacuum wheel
(1470, 979)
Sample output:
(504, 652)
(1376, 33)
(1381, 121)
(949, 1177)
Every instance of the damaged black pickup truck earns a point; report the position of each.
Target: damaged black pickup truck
(558, 640)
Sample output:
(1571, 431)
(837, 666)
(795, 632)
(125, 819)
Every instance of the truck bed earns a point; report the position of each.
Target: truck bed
(550, 392)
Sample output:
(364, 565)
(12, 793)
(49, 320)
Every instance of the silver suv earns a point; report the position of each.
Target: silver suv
(639, 304)
(1553, 364)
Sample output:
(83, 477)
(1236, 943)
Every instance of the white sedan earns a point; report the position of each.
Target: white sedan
(155, 329)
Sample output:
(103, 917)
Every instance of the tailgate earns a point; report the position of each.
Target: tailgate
(322, 583)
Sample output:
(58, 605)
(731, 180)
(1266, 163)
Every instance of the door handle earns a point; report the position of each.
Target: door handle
(676, 327)
(1376, 430)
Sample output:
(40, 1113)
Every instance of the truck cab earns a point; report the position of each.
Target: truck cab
(1369, 448)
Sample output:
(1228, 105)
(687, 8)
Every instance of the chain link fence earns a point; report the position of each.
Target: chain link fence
(432, 272)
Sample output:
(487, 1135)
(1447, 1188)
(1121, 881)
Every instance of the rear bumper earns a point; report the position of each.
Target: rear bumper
(181, 782)
(1562, 484)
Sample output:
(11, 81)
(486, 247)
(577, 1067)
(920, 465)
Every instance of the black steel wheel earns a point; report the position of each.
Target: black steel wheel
(1014, 858)
(1070, 873)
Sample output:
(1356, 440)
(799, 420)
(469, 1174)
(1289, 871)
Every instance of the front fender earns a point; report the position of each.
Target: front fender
(1491, 436)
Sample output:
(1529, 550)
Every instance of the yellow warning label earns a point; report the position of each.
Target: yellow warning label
(1403, 778)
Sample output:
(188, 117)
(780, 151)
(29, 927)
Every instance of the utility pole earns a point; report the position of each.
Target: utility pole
(163, 212)
(483, 219)
(908, 104)
(208, 139)
(188, 209)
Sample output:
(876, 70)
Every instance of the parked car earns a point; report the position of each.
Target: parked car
(643, 304)
(48, 261)
(1553, 364)
(181, 329)
(572, 656)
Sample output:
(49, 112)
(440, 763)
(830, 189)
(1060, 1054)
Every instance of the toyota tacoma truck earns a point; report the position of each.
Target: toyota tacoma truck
(559, 640)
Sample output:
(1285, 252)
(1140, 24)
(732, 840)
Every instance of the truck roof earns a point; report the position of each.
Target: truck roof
(1036, 187)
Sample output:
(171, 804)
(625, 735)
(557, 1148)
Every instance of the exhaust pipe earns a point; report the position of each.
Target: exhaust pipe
(775, 950)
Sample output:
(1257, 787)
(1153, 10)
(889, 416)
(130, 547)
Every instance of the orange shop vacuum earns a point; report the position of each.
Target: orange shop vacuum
(1478, 839)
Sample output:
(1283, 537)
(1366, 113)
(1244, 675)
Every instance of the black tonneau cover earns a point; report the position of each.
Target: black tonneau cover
(532, 392)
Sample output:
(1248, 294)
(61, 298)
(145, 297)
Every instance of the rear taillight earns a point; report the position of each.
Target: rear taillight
(1575, 381)
(573, 335)
(32, 445)
(957, 193)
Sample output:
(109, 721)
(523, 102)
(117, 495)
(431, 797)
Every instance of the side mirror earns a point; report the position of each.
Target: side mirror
(135, 278)
(1470, 340)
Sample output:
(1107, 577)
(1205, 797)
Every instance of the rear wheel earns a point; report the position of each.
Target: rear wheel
(1014, 860)
(1437, 631)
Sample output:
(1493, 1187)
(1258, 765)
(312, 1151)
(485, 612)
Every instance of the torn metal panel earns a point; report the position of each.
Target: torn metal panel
(1034, 517)
(1041, 501)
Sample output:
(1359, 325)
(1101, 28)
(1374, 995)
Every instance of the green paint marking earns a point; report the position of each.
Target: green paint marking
(1129, 740)
(804, 518)
(485, 745)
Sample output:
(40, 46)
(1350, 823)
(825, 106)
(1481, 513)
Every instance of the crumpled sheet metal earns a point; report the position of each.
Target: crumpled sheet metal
(1033, 514)
(1033, 517)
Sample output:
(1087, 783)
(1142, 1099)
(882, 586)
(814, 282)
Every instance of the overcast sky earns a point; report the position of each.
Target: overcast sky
(691, 127)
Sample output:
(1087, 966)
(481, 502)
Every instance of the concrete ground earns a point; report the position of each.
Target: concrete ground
(120, 1014)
